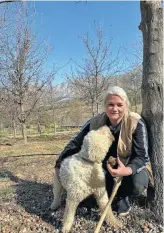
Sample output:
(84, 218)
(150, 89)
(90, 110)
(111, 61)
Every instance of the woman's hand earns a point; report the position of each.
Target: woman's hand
(120, 171)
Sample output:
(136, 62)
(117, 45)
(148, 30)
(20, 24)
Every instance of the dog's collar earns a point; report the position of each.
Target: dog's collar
(87, 160)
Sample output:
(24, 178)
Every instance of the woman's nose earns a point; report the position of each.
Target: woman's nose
(114, 108)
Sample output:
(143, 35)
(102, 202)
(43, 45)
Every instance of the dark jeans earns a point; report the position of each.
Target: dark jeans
(132, 185)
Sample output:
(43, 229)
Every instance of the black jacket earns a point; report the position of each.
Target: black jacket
(139, 155)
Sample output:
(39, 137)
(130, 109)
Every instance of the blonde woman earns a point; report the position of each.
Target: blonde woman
(130, 147)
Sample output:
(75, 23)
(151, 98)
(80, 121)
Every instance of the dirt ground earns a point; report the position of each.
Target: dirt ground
(26, 177)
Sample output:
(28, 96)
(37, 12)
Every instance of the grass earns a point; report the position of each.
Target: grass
(7, 192)
(26, 177)
(30, 162)
(44, 144)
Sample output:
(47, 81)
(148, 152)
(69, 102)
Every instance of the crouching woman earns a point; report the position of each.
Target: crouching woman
(130, 148)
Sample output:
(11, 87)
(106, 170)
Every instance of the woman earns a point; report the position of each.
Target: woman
(130, 147)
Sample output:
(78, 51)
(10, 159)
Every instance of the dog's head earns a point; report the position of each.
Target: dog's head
(97, 143)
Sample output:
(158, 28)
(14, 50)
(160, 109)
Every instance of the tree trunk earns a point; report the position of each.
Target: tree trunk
(97, 108)
(23, 123)
(14, 128)
(38, 125)
(54, 122)
(135, 101)
(24, 132)
(92, 107)
(152, 92)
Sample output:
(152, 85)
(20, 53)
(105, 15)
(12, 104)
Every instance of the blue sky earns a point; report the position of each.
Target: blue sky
(61, 24)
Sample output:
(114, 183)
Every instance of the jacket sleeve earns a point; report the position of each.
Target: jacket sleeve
(74, 145)
(139, 156)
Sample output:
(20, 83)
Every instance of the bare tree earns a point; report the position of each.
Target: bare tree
(22, 65)
(90, 79)
(132, 84)
(56, 95)
(152, 91)
(132, 78)
(50, 107)
(76, 112)
(8, 110)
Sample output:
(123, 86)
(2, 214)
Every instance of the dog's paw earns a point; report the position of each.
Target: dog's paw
(112, 220)
(66, 229)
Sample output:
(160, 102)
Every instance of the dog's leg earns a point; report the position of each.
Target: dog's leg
(69, 214)
(102, 200)
(57, 191)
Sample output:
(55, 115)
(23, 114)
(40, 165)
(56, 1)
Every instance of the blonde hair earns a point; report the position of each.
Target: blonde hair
(115, 90)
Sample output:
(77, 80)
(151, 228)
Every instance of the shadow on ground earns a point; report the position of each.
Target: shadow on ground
(36, 199)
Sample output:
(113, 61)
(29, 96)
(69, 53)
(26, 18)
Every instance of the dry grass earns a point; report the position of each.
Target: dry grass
(26, 177)
(33, 162)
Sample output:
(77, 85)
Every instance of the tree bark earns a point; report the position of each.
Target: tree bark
(23, 122)
(24, 132)
(38, 126)
(54, 122)
(97, 108)
(152, 92)
(14, 128)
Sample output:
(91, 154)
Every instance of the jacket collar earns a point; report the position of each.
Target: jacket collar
(114, 128)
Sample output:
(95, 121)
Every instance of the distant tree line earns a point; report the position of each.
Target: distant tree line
(27, 93)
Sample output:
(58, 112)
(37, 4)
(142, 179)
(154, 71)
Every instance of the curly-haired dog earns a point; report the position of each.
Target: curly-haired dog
(82, 175)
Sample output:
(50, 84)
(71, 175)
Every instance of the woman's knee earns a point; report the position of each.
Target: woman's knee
(140, 182)
(138, 189)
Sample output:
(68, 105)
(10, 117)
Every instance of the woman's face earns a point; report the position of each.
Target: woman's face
(115, 108)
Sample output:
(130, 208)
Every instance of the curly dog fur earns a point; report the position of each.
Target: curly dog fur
(82, 175)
